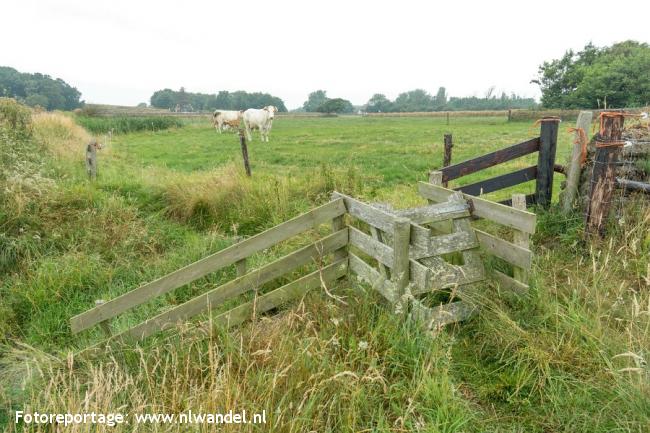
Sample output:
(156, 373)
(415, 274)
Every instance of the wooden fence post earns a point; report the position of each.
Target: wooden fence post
(520, 238)
(244, 151)
(106, 328)
(509, 115)
(447, 158)
(401, 240)
(91, 159)
(603, 176)
(546, 161)
(447, 117)
(338, 223)
(575, 165)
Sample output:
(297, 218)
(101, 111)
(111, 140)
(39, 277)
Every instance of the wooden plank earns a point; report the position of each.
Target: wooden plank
(400, 272)
(436, 274)
(279, 296)
(337, 224)
(489, 160)
(501, 214)
(546, 161)
(435, 212)
(521, 239)
(505, 250)
(500, 182)
(382, 219)
(207, 301)
(382, 252)
(376, 235)
(207, 265)
(366, 213)
(508, 283)
(445, 244)
(441, 315)
(366, 273)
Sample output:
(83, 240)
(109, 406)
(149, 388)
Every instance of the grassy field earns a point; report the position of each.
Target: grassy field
(571, 356)
(392, 150)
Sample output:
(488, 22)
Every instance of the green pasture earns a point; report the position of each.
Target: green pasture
(397, 150)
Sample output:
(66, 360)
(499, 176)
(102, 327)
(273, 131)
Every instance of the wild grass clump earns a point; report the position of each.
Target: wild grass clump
(123, 125)
(226, 199)
(60, 134)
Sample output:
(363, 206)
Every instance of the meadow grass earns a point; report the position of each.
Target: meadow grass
(570, 356)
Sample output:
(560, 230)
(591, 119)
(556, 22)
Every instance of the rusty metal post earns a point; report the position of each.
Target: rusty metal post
(603, 175)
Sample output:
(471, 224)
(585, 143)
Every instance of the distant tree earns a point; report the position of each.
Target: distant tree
(379, 103)
(440, 100)
(414, 100)
(165, 98)
(239, 100)
(315, 100)
(38, 89)
(142, 105)
(336, 105)
(617, 74)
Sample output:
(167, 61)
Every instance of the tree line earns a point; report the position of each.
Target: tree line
(416, 100)
(616, 77)
(38, 90)
(188, 101)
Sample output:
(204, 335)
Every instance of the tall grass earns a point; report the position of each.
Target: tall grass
(122, 125)
(570, 356)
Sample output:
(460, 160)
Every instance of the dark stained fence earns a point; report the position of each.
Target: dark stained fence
(545, 145)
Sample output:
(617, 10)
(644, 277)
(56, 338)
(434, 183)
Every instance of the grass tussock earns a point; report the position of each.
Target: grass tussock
(228, 200)
(60, 134)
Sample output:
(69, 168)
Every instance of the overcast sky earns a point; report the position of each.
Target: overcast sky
(120, 52)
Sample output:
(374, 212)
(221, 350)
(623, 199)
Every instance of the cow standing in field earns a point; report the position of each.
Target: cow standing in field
(224, 119)
(259, 119)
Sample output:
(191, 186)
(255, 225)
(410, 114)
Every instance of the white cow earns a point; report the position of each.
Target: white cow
(259, 119)
(223, 119)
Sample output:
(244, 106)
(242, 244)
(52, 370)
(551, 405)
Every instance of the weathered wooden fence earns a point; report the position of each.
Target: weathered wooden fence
(246, 280)
(545, 144)
(401, 253)
(408, 255)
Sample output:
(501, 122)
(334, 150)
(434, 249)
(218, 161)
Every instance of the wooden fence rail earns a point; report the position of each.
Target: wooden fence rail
(234, 254)
(542, 173)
